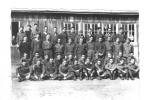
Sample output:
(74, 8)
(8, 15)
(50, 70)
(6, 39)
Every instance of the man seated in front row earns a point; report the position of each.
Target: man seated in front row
(23, 71)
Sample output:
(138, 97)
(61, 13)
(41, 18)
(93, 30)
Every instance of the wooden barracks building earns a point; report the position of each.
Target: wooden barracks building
(81, 20)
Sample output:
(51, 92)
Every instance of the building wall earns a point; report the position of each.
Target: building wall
(60, 20)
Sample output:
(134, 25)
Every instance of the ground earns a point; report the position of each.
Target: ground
(85, 89)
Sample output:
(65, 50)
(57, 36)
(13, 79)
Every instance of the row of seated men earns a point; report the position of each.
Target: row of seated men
(64, 43)
(72, 68)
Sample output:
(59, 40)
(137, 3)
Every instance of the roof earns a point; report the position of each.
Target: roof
(82, 11)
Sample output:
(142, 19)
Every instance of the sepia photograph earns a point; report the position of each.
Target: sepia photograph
(75, 53)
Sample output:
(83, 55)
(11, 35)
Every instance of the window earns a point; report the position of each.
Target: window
(131, 32)
(69, 25)
(107, 26)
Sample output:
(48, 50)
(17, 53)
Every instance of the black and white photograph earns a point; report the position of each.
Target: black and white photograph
(77, 51)
(81, 52)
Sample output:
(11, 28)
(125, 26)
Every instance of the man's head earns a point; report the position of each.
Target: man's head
(70, 40)
(45, 29)
(87, 61)
(99, 62)
(58, 57)
(58, 40)
(109, 54)
(64, 62)
(108, 38)
(25, 55)
(38, 62)
(72, 29)
(46, 57)
(51, 60)
(122, 61)
(75, 62)
(111, 60)
(36, 54)
(64, 29)
(25, 38)
(81, 40)
(23, 62)
(120, 54)
(70, 57)
(21, 29)
(28, 27)
(128, 40)
(99, 30)
(91, 39)
(83, 57)
(55, 29)
(120, 30)
(100, 39)
(132, 61)
(35, 26)
(117, 40)
(37, 36)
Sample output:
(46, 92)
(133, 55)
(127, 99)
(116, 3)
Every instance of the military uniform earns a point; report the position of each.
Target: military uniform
(80, 50)
(71, 35)
(111, 70)
(90, 47)
(54, 37)
(118, 47)
(127, 49)
(63, 37)
(59, 49)
(109, 46)
(47, 47)
(122, 71)
(36, 46)
(51, 70)
(20, 36)
(133, 70)
(23, 71)
(38, 71)
(24, 47)
(69, 49)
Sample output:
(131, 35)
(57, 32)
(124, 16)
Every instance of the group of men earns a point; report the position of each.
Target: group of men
(71, 55)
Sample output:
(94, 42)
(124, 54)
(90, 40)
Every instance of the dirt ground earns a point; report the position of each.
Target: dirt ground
(81, 90)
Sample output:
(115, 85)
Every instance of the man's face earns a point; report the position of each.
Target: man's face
(109, 38)
(51, 60)
(37, 55)
(21, 29)
(83, 57)
(59, 40)
(75, 62)
(25, 38)
(64, 62)
(111, 61)
(81, 40)
(58, 57)
(120, 31)
(45, 29)
(87, 60)
(23, 63)
(46, 56)
(69, 40)
(99, 62)
(120, 54)
(132, 61)
(36, 26)
(99, 30)
(91, 38)
(64, 29)
(109, 55)
(72, 30)
(100, 39)
(25, 55)
(117, 40)
(55, 29)
(28, 27)
(121, 61)
(70, 56)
